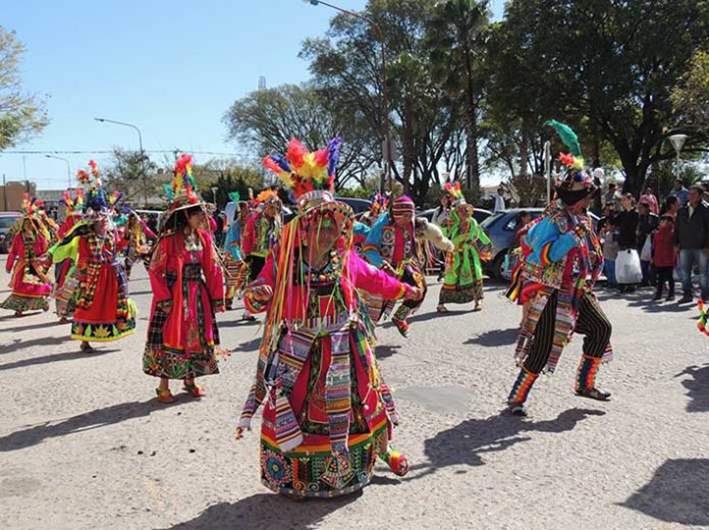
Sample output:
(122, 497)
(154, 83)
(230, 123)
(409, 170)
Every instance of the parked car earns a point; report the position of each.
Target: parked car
(479, 215)
(7, 219)
(500, 228)
(359, 206)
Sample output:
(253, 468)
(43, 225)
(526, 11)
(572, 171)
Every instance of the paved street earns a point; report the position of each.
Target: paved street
(84, 444)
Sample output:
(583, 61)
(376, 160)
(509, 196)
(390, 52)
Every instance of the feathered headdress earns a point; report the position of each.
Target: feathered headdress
(577, 183)
(267, 196)
(30, 207)
(74, 206)
(455, 193)
(379, 202)
(96, 202)
(309, 175)
(182, 193)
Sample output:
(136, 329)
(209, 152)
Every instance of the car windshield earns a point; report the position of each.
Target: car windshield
(7, 222)
(487, 223)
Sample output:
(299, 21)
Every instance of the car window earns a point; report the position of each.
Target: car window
(7, 222)
(487, 223)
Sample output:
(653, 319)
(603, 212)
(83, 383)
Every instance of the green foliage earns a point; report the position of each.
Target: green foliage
(22, 115)
(456, 33)
(691, 97)
(268, 119)
(606, 67)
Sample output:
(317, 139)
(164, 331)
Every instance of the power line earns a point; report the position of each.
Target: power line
(159, 151)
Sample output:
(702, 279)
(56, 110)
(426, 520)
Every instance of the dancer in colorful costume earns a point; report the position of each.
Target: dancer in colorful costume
(233, 258)
(463, 279)
(562, 261)
(262, 231)
(103, 311)
(391, 246)
(66, 279)
(328, 413)
(138, 236)
(188, 288)
(379, 203)
(29, 262)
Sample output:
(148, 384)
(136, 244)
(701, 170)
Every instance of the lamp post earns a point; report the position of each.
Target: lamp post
(677, 141)
(68, 168)
(142, 153)
(387, 145)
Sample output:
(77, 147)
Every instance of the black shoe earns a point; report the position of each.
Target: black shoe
(686, 300)
(658, 296)
(594, 393)
(517, 409)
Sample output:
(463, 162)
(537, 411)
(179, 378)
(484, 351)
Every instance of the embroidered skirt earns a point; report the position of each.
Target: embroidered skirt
(180, 361)
(337, 421)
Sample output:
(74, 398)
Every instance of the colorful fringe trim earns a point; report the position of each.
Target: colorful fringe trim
(522, 386)
(586, 374)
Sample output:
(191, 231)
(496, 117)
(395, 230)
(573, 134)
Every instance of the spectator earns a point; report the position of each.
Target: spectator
(664, 257)
(650, 198)
(612, 196)
(523, 219)
(692, 239)
(671, 207)
(680, 192)
(627, 223)
(441, 214)
(647, 224)
(499, 200)
(610, 244)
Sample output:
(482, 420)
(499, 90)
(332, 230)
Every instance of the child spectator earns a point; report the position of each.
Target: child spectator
(665, 256)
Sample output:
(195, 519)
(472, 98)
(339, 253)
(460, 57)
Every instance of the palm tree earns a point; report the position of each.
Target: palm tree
(454, 38)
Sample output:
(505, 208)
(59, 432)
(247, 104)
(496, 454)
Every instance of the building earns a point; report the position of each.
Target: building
(11, 194)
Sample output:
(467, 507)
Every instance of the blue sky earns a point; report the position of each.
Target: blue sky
(170, 67)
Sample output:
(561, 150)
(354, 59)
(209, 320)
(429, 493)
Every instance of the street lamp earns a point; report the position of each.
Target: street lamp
(68, 168)
(142, 153)
(677, 141)
(387, 145)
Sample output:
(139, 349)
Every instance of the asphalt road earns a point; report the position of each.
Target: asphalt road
(84, 444)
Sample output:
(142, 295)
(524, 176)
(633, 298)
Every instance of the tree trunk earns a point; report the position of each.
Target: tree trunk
(473, 167)
(524, 151)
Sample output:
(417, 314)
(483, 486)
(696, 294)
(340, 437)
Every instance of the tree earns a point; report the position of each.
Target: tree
(124, 173)
(691, 97)
(424, 118)
(455, 43)
(268, 119)
(21, 114)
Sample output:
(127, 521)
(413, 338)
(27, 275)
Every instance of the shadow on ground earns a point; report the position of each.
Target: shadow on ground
(677, 493)
(465, 443)
(35, 434)
(40, 325)
(697, 389)
(266, 511)
(384, 351)
(44, 341)
(495, 337)
(642, 299)
(249, 346)
(44, 359)
(237, 322)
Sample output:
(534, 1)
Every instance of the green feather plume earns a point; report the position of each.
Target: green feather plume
(234, 196)
(567, 135)
(169, 191)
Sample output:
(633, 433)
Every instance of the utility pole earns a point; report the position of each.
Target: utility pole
(142, 154)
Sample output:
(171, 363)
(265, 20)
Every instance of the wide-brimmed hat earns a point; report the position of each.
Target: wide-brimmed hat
(182, 194)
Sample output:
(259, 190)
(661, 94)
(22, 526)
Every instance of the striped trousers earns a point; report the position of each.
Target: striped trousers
(591, 322)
